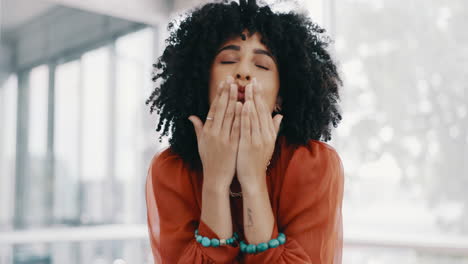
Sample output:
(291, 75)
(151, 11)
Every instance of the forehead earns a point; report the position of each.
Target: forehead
(250, 41)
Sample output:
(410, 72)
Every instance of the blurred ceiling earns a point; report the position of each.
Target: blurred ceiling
(17, 12)
(152, 12)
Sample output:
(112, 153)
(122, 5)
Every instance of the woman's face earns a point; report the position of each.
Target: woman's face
(244, 60)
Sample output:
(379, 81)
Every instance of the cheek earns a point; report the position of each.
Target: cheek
(273, 90)
(270, 92)
(215, 78)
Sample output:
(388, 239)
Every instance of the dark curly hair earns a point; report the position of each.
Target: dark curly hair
(309, 79)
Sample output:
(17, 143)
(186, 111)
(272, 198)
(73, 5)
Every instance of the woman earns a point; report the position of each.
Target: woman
(246, 185)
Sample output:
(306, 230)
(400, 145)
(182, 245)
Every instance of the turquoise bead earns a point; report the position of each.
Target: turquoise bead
(199, 238)
(196, 231)
(243, 246)
(236, 235)
(214, 242)
(251, 249)
(281, 235)
(273, 243)
(262, 247)
(206, 242)
(281, 239)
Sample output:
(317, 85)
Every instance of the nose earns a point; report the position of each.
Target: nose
(243, 71)
(243, 76)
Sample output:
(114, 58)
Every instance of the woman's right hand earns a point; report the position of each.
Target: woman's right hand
(218, 138)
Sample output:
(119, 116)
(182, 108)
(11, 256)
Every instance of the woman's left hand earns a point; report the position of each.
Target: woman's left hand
(257, 138)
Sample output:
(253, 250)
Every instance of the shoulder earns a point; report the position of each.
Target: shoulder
(317, 150)
(312, 151)
(165, 164)
(315, 161)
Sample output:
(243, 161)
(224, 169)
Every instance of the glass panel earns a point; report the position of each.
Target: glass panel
(35, 190)
(95, 133)
(137, 46)
(404, 136)
(95, 114)
(66, 142)
(8, 108)
(134, 65)
(38, 100)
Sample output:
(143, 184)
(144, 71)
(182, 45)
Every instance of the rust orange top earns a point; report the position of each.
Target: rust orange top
(305, 185)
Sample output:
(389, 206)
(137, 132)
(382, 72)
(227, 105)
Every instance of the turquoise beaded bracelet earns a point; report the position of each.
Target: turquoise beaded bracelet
(252, 248)
(214, 242)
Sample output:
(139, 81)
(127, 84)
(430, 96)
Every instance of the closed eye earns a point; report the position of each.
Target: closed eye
(231, 62)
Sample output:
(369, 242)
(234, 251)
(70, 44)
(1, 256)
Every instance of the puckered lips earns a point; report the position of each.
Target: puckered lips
(241, 94)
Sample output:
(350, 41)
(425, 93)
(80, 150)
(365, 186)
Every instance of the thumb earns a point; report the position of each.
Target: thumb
(277, 120)
(197, 124)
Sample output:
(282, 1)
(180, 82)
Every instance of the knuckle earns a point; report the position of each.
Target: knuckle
(229, 112)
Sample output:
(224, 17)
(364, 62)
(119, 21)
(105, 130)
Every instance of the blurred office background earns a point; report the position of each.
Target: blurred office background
(76, 138)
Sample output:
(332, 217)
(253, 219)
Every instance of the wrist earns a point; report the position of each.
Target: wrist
(254, 187)
(215, 188)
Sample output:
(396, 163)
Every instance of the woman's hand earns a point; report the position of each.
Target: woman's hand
(218, 139)
(258, 136)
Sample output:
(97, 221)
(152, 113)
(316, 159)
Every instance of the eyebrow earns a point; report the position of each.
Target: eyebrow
(256, 51)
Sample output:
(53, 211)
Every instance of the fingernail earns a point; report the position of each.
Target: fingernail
(230, 79)
(221, 83)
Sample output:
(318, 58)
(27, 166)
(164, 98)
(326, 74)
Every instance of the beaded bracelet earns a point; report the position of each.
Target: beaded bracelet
(214, 242)
(252, 248)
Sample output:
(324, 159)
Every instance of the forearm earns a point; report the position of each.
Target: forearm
(216, 210)
(258, 215)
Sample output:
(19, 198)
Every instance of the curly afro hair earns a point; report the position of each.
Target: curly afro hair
(309, 79)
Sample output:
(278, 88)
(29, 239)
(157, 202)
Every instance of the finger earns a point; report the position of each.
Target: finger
(277, 120)
(220, 109)
(267, 110)
(212, 111)
(235, 131)
(245, 136)
(197, 124)
(230, 112)
(254, 123)
(264, 118)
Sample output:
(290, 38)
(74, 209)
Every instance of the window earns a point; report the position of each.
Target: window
(134, 55)
(34, 189)
(404, 137)
(98, 145)
(8, 108)
(95, 136)
(67, 142)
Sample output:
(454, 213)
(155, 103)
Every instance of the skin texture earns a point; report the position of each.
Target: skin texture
(244, 65)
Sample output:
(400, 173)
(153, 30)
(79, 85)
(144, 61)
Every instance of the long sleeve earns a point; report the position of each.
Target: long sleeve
(309, 209)
(173, 215)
